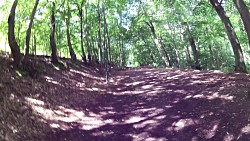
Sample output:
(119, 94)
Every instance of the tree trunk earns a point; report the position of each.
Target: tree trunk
(29, 31)
(239, 58)
(88, 42)
(123, 57)
(81, 22)
(15, 50)
(188, 56)
(158, 44)
(172, 29)
(150, 52)
(170, 64)
(99, 34)
(34, 44)
(71, 51)
(211, 54)
(108, 44)
(245, 16)
(54, 58)
(196, 64)
(105, 44)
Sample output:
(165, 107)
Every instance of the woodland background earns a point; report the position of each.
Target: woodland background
(181, 34)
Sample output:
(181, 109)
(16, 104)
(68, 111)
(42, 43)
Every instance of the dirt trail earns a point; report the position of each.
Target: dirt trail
(146, 104)
(156, 104)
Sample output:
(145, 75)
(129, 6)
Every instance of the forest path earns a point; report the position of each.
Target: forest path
(162, 104)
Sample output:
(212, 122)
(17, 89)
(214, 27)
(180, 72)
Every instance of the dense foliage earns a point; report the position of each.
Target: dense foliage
(181, 33)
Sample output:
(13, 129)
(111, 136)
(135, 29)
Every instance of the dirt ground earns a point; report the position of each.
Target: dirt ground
(143, 104)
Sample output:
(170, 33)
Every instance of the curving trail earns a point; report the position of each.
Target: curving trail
(157, 105)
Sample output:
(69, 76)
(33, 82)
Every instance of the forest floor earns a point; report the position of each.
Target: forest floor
(143, 104)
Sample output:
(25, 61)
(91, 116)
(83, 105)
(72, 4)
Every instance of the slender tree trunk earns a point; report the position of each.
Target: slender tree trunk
(211, 60)
(29, 31)
(217, 57)
(88, 42)
(158, 44)
(149, 51)
(196, 64)
(54, 58)
(105, 33)
(34, 44)
(151, 55)
(105, 36)
(188, 56)
(18, 34)
(194, 50)
(99, 34)
(167, 56)
(89, 47)
(245, 16)
(71, 51)
(239, 58)
(15, 50)
(174, 43)
(170, 63)
(108, 44)
(81, 22)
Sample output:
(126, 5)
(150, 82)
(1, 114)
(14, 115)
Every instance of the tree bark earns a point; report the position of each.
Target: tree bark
(196, 64)
(15, 50)
(150, 52)
(172, 29)
(245, 16)
(99, 34)
(188, 56)
(54, 58)
(238, 55)
(29, 30)
(88, 42)
(81, 22)
(34, 44)
(71, 51)
(105, 36)
(158, 44)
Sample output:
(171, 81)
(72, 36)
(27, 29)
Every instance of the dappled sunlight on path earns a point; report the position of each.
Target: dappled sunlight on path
(146, 104)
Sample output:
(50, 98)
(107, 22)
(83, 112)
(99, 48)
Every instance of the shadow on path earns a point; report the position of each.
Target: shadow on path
(150, 104)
